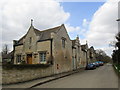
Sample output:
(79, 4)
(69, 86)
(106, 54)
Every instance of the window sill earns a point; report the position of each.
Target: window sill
(43, 62)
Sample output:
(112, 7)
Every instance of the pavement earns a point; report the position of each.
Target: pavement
(101, 77)
(34, 83)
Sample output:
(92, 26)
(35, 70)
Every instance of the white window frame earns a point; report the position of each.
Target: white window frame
(42, 57)
(18, 58)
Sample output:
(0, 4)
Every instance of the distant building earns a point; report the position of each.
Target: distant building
(76, 53)
(7, 58)
(92, 54)
(84, 53)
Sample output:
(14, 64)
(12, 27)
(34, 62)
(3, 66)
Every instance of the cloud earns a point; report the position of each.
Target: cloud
(85, 23)
(78, 30)
(75, 31)
(71, 28)
(16, 15)
(103, 26)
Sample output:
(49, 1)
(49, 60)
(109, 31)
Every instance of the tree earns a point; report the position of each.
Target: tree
(112, 44)
(118, 45)
(102, 56)
(100, 52)
(118, 39)
(5, 49)
(116, 52)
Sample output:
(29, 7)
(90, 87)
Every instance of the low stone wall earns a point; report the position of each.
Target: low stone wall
(20, 74)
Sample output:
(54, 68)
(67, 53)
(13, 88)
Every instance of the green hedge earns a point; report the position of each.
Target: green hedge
(118, 66)
(117, 72)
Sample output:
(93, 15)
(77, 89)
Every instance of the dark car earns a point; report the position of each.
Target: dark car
(90, 66)
(96, 64)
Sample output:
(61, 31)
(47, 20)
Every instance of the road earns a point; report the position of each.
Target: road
(102, 77)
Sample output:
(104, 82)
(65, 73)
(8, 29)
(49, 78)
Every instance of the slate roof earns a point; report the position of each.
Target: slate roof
(43, 35)
(7, 56)
(46, 34)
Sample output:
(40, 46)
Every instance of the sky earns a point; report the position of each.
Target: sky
(91, 21)
(81, 14)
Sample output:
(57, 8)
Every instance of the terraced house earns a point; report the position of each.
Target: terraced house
(76, 53)
(52, 47)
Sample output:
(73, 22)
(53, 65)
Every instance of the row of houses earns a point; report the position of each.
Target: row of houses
(52, 47)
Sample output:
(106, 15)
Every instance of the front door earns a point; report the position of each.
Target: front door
(74, 63)
(29, 58)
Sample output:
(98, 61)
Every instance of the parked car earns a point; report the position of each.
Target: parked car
(100, 63)
(96, 64)
(90, 66)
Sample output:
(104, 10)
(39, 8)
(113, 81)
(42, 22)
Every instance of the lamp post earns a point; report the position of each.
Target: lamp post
(118, 41)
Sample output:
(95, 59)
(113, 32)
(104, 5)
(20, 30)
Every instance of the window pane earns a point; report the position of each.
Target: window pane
(18, 58)
(63, 43)
(42, 57)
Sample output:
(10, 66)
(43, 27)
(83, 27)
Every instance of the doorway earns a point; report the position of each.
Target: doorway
(29, 58)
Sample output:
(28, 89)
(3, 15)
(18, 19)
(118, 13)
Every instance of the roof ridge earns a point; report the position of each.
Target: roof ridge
(47, 29)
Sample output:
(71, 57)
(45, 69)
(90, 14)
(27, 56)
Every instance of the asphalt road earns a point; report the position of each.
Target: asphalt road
(102, 77)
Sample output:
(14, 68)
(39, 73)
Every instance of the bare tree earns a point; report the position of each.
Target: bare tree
(102, 56)
(5, 49)
(112, 44)
(100, 52)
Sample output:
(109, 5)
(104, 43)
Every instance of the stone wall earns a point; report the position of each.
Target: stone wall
(15, 75)
(62, 55)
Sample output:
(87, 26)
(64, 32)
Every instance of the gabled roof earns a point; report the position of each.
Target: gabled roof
(73, 42)
(46, 34)
(43, 35)
(20, 41)
(83, 47)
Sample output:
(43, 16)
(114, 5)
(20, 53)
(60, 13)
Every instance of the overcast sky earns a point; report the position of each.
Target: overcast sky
(92, 21)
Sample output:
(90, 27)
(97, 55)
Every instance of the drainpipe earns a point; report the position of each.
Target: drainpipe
(51, 51)
(86, 58)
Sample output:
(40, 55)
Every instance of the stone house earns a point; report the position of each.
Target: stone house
(77, 61)
(92, 54)
(88, 54)
(85, 54)
(51, 46)
(7, 58)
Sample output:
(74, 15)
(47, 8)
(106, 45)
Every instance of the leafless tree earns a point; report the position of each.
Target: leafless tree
(5, 49)
(102, 56)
